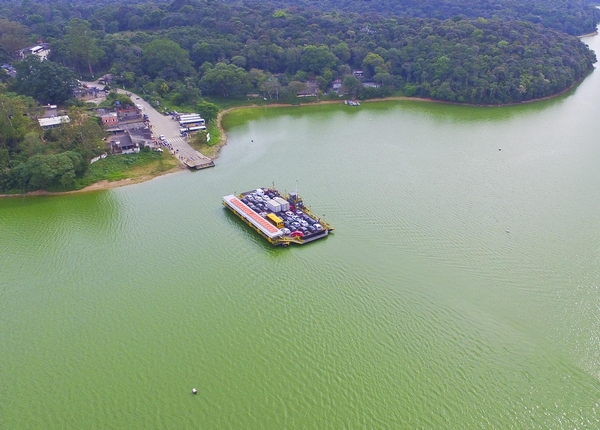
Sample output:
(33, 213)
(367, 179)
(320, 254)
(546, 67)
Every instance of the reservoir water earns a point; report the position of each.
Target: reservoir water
(459, 290)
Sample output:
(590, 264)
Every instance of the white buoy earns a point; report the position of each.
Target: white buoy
(194, 391)
(508, 231)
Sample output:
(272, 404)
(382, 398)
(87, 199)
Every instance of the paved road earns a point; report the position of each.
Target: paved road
(164, 125)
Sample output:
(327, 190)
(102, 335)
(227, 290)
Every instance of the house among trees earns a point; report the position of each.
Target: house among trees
(337, 87)
(48, 123)
(42, 51)
(51, 111)
(10, 70)
(130, 141)
(310, 89)
(371, 84)
(85, 93)
(106, 79)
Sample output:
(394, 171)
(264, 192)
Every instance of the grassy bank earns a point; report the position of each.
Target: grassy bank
(130, 166)
(210, 149)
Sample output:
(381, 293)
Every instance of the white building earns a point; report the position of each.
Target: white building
(47, 123)
(41, 51)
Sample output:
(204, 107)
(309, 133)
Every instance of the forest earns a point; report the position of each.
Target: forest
(574, 17)
(198, 52)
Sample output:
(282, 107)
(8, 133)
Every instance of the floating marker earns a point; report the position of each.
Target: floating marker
(194, 391)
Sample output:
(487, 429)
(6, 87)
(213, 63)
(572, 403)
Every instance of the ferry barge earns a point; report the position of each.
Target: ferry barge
(281, 219)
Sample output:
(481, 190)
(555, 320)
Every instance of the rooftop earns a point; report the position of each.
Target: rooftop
(52, 122)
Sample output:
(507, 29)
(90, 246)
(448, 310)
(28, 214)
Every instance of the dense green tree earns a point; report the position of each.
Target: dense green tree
(342, 52)
(256, 78)
(295, 87)
(203, 52)
(574, 17)
(351, 85)
(15, 120)
(209, 111)
(32, 144)
(42, 172)
(201, 138)
(13, 36)
(316, 59)
(45, 81)
(81, 47)
(238, 60)
(224, 80)
(187, 92)
(165, 58)
(371, 63)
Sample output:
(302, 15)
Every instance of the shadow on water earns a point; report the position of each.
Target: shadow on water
(455, 113)
(443, 112)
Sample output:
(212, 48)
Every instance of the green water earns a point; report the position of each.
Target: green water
(421, 311)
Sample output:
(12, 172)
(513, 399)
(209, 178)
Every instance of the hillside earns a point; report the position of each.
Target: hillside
(574, 17)
(184, 49)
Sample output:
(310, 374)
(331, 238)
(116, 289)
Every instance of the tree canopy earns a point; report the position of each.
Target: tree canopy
(46, 81)
(165, 58)
(224, 80)
(13, 35)
(32, 159)
(574, 17)
(223, 48)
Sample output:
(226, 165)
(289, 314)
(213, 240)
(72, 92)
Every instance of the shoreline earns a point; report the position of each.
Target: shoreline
(99, 186)
(222, 113)
(106, 185)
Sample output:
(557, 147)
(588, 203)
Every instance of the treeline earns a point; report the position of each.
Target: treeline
(33, 159)
(211, 48)
(480, 62)
(574, 17)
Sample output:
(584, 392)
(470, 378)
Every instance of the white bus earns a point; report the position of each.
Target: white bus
(188, 115)
(198, 120)
(185, 130)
